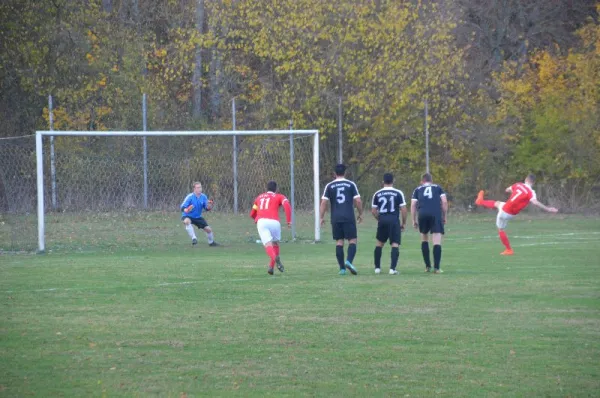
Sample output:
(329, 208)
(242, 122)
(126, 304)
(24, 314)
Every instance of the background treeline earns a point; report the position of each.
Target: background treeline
(512, 86)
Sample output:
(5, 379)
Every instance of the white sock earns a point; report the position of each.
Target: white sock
(211, 237)
(190, 231)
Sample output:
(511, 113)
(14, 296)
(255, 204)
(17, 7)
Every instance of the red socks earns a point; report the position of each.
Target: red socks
(504, 239)
(271, 253)
(490, 204)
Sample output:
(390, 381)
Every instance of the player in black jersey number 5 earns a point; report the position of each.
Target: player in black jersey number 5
(387, 205)
(342, 195)
(430, 201)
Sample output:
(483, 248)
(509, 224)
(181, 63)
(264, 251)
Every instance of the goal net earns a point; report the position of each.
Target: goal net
(123, 189)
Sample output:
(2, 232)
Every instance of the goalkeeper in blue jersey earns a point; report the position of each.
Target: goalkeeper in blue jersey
(191, 214)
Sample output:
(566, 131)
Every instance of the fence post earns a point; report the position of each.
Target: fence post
(235, 152)
(52, 159)
(340, 132)
(145, 127)
(426, 139)
(292, 186)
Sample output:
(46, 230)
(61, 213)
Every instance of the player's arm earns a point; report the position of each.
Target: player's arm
(254, 211)
(357, 202)
(543, 206)
(413, 211)
(288, 210)
(444, 207)
(404, 213)
(509, 189)
(187, 206)
(375, 212)
(323, 210)
(206, 203)
(374, 208)
(358, 205)
(209, 204)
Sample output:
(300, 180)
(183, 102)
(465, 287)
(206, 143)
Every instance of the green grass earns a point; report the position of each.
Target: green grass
(127, 307)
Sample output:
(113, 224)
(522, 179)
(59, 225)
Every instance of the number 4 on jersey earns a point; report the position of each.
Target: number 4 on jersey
(427, 192)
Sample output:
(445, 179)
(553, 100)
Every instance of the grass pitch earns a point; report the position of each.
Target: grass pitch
(127, 307)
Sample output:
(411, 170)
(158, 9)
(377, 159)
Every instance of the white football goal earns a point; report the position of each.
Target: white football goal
(124, 171)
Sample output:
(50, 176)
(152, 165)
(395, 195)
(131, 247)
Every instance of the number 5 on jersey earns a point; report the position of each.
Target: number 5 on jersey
(340, 197)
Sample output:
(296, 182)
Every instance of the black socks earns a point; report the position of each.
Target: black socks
(339, 254)
(425, 251)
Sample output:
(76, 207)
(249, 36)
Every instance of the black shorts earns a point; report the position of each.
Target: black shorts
(388, 229)
(429, 223)
(344, 230)
(198, 222)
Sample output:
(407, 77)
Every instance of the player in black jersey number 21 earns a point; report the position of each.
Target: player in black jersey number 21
(387, 205)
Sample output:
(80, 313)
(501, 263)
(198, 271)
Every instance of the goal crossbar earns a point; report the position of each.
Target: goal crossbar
(40, 161)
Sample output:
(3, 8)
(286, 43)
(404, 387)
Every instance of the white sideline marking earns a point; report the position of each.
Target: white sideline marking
(525, 236)
(164, 284)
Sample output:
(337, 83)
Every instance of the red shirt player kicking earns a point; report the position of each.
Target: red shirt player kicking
(265, 213)
(521, 194)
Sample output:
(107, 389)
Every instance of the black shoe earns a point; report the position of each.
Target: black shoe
(279, 265)
(270, 271)
(214, 244)
(194, 241)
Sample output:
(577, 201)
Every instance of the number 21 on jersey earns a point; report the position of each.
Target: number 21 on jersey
(383, 204)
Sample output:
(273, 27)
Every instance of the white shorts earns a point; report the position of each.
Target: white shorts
(269, 230)
(502, 218)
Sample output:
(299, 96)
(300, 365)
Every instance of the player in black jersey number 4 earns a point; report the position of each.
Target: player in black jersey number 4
(430, 201)
(342, 196)
(387, 205)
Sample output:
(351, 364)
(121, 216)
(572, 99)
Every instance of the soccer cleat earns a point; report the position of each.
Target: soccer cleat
(351, 267)
(427, 269)
(377, 271)
(507, 252)
(342, 272)
(394, 272)
(194, 241)
(270, 271)
(479, 199)
(279, 264)
(214, 244)
(438, 271)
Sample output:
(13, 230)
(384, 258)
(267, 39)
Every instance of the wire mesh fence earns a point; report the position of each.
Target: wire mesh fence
(106, 174)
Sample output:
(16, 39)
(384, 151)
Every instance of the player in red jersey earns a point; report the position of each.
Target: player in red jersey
(521, 194)
(265, 213)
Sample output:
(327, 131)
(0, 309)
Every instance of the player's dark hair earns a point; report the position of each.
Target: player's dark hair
(426, 177)
(531, 177)
(388, 178)
(340, 170)
(271, 186)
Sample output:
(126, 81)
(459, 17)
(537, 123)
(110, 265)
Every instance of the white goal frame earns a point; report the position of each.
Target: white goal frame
(52, 133)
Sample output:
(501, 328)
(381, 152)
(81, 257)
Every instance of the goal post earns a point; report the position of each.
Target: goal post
(272, 134)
